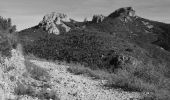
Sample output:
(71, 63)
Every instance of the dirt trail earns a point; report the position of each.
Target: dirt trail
(77, 87)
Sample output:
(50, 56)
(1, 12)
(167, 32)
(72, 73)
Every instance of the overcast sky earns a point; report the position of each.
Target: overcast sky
(27, 13)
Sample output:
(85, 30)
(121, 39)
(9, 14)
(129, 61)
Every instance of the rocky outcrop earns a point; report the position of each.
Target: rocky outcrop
(98, 18)
(117, 61)
(123, 12)
(147, 24)
(53, 22)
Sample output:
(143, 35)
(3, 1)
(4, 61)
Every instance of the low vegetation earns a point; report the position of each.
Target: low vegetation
(142, 80)
(87, 48)
(35, 89)
(36, 72)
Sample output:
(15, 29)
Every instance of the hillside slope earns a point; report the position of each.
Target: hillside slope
(122, 23)
(134, 49)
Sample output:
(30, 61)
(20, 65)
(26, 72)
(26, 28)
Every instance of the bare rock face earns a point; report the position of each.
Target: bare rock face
(123, 12)
(51, 23)
(147, 24)
(98, 18)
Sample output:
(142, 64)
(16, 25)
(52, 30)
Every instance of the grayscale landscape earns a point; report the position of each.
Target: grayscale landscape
(84, 50)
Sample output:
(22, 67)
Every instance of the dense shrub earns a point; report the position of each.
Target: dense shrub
(87, 48)
(8, 39)
(7, 42)
(143, 78)
(6, 25)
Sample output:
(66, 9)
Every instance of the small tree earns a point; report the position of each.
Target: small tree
(9, 22)
(6, 25)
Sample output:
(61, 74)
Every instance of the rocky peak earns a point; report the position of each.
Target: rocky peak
(55, 17)
(53, 22)
(98, 18)
(123, 12)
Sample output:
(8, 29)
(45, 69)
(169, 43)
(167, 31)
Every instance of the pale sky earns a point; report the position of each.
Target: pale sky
(27, 13)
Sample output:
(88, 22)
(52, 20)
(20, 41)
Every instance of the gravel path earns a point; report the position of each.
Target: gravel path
(77, 87)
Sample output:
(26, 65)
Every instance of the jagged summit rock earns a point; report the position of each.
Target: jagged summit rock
(126, 11)
(54, 22)
(98, 18)
(55, 17)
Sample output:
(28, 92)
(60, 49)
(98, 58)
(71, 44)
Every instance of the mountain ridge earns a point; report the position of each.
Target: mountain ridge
(122, 23)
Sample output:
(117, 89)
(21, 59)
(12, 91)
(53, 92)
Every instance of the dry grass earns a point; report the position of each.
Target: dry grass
(43, 94)
(37, 72)
(41, 91)
(80, 69)
(151, 82)
(23, 89)
(33, 57)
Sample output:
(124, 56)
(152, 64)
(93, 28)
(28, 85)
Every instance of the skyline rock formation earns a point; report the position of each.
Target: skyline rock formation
(54, 22)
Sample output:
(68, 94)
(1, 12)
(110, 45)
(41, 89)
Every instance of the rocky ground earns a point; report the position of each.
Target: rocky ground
(61, 85)
(79, 87)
